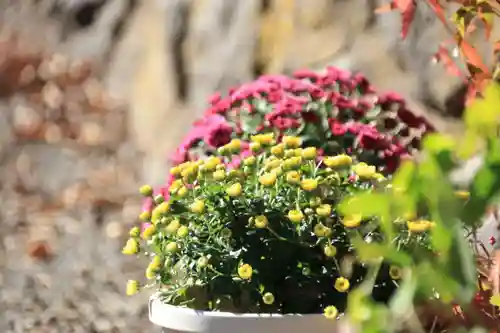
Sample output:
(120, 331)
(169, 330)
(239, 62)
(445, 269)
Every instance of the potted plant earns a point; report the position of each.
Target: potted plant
(258, 245)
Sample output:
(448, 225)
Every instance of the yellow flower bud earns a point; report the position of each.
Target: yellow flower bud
(272, 164)
(261, 221)
(419, 225)
(219, 175)
(263, 139)
(296, 216)
(182, 192)
(249, 161)
(268, 179)
(134, 232)
(292, 141)
(146, 190)
(234, 190)
(172, 247)
(330, 250)
(245, 271)
(395, 272)
(148, 231)
(145, 216)
(278, 150)
(364, 171)
(173, 226)
(337, 161)
(132, 287)
(202, 262)
(131, 247)
(197, 207)
(255, 147)
(342, 284)
(352, 221)
(331, 312)
(175, 171)
(309, 184)
(183, 231)
(293, 177)
(268, 298)
(324, 210)
(309, 153)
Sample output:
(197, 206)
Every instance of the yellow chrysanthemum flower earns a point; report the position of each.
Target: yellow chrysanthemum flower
(309, 153)
(234, 190)
(131, 247)
(292, 141)
(183, 231)
(245, 271)
(364, 171)
(172, 247)
(145, 216)
(182, 192)
(495, 300)
(419, 225)
(146, 190)
(219, 175)
(261, 221)
(395, 272)
(330, 250)
(263, 139)
(324, 210)
(255, 147)
(352, 221)
(134, 232)
(175, 171)
(148, 231)
(132, 287)
(293, 177)
(268, 298)
(278, 150)
(331, 312)
(197, 207)
(173, 226)
(268, 179)
(342, 284)
(296, 216)
(249, 161)
(337, 161)
(309, 184)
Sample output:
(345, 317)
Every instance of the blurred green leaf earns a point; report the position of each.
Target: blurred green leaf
(402, 303)
(372, 251)
(461, 265)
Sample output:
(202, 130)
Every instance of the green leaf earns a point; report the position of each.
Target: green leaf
(372, 251)
(366, 204)
(461, 265)
(441, 239)
(435, 143)
(401, 304)
(250, 122)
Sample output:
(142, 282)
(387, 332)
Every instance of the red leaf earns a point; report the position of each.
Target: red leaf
(472, 57)
(407, 15)
(443, 56)
(403, 5)
(438, 9)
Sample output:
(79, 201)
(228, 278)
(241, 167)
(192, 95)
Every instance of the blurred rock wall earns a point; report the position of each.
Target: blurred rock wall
(77, 138)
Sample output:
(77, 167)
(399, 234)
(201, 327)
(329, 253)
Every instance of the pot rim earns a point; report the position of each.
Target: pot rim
(155, 302)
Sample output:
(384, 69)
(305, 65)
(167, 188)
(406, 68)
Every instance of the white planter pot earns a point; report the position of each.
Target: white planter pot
(175, 319)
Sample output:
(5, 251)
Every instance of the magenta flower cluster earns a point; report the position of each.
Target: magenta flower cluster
(335, 111)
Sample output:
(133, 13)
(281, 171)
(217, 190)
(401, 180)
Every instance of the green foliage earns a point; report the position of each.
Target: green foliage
(425, 186)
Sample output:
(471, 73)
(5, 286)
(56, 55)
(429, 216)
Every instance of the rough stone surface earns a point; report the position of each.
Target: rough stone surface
(77, 139)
